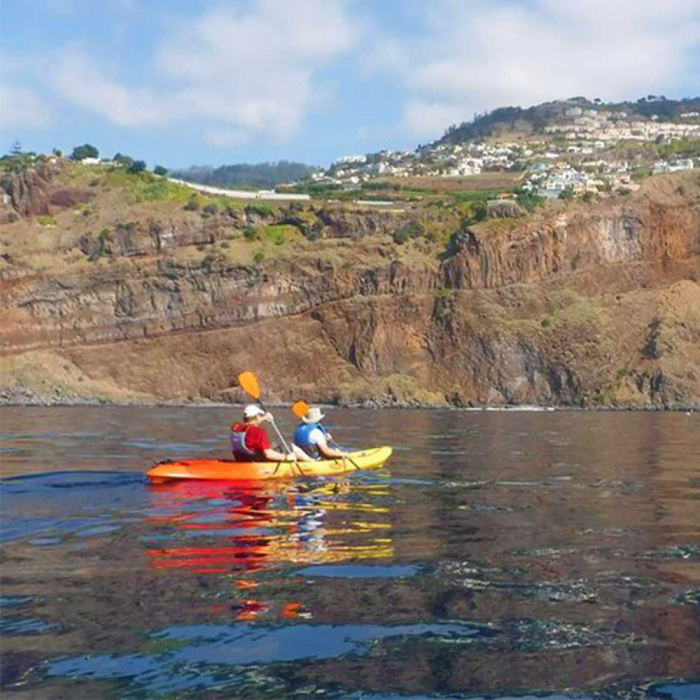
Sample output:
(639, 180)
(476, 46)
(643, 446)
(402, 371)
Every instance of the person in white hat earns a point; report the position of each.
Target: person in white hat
(311, 437)
(250, 443)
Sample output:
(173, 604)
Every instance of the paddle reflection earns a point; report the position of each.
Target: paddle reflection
(258, 531)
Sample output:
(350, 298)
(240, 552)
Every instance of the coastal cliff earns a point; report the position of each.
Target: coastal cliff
(571, 305)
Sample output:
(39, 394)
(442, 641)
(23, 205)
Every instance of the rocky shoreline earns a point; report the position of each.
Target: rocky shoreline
(27, 398)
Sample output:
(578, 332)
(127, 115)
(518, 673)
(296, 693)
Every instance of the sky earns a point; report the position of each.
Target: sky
(180, 83)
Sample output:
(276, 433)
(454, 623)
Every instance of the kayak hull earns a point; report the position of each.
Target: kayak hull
(229, 470)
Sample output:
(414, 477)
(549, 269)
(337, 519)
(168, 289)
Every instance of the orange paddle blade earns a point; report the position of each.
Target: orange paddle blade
(300, 409)
(249, 384)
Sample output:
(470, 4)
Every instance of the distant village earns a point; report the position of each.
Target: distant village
(585, 152)
(575, 157)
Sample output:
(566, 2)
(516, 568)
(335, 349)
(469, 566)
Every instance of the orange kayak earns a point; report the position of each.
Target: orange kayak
(225, 470)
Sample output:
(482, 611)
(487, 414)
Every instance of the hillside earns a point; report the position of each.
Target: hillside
(573, 149)
(124, 287)
(534, 120)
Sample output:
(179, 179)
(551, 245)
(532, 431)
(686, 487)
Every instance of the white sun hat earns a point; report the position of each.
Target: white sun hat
(314, 415)
(252, 410)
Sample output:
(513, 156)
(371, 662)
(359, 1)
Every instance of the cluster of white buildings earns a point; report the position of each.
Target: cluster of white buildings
(673, 166)
(600, 128)
(550, 181)
(566, 156)
(595, 176)
(440, 161)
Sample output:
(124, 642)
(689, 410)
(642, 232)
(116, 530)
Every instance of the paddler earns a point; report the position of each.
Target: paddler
(312, 438)
(250, 443)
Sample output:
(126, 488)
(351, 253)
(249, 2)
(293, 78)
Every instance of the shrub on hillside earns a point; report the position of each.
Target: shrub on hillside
(259, 210)
(314, 232)
(530, 201)
(567, 193)
(480, 212)
(122, 160)
(85, 151)
(411, 229)
(138, 166)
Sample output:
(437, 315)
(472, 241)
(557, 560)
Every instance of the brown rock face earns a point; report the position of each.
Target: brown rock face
(29, 191)
(590, 305)
(33, 192)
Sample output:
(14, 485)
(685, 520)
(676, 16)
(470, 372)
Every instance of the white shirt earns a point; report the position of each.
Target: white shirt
(316, 437)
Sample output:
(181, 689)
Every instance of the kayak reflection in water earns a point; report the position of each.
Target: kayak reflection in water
(313, 439)
(250, 443)
(266, 533)
(258, 535)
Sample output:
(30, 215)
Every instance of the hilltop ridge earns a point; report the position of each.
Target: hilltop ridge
(534, 120)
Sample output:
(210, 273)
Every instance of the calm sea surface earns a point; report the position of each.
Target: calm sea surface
(498, 554)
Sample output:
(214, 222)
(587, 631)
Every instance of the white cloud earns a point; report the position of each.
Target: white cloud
(476, 56)
(420, 116)
(76, 78)
(22, 108)
(242, 73)
(225, 138)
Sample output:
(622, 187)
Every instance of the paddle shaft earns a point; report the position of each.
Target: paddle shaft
(274, 425)
(338, 447)
(281, 437)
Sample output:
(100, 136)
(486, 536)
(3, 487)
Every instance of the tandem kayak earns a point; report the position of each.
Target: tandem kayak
(225, 470)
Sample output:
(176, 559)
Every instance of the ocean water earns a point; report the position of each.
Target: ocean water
(498, 554)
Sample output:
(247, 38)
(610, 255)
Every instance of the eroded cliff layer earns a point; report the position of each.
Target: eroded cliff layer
(572, 305)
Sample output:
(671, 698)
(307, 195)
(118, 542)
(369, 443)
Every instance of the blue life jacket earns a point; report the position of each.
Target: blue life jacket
(238, 446)
(302, 433)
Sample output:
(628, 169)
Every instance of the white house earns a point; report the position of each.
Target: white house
(344, 160)
(680, 164)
